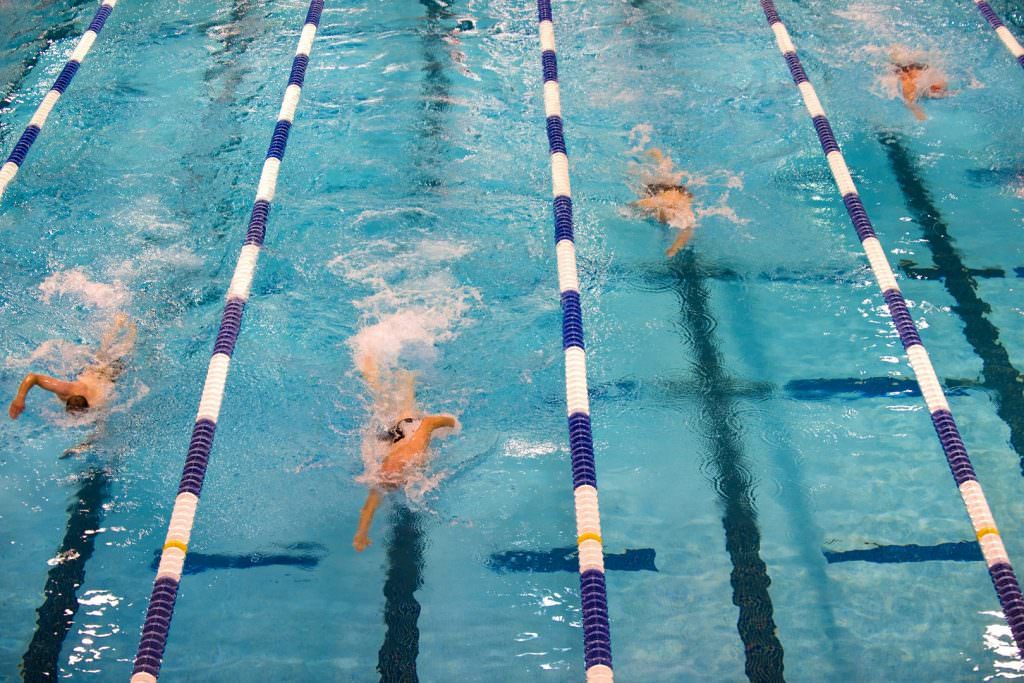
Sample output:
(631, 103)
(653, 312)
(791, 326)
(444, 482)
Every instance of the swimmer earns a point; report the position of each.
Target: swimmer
(94, 386)
(670, 204)
(917, 80)
(406, 440)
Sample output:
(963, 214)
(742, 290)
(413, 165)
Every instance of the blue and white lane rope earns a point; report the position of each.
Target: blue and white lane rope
(172, 559)
(1004, 34)
(597, 644)
(28, 137)
(999, 568)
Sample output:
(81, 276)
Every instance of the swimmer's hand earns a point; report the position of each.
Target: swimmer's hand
(17, 407)
(361, 542)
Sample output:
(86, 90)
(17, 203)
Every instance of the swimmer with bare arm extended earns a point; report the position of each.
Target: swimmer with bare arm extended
(94, 386)
(917, 80)
(408, 438)
(669, 203)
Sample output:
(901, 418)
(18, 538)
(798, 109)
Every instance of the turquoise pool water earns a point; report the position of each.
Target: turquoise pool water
(750, 418)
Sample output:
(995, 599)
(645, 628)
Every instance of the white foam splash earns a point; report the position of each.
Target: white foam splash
(59, 355)
(75, 283)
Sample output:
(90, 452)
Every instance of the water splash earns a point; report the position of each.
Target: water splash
(76, 284)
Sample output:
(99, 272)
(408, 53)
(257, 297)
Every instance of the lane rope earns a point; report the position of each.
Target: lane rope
(31, 132)
(597, 646)
(172, 560)
(999, 567)
(1004, 34)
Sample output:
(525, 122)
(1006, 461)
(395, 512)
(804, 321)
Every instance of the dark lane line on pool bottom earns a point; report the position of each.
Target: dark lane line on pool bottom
(567, 560)
(732, 480)
(997, 371)
(57, 613)
(960, 551)
(396, 660)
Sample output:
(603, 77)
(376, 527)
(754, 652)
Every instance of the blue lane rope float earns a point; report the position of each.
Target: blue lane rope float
(1004, 34)
(999, 567)
(28, 137)
(172, 559)
(597, 646)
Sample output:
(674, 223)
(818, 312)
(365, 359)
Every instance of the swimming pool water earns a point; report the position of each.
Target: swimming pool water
(743, 418)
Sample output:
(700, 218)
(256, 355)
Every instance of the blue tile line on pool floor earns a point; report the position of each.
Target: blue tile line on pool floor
(960, 551)
(1004, 33)
(1003, 577)
(597, 646)
(28, 137)
(165, 588)
(396, 659)
(727, 466)
(54, 618)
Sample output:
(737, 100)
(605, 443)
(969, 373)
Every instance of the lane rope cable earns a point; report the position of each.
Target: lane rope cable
(1004, 34)
(172, 559)
(999, 567)
(597, 646)
(31, 132)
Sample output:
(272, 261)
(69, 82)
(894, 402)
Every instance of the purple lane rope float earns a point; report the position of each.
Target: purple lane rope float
(31, 132)
(172, 559)
(597, 646)
(999, 567)
(1004, 34)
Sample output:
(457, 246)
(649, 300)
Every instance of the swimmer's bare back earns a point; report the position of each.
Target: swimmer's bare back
(911, 86)
(404, 457)
(671, 205)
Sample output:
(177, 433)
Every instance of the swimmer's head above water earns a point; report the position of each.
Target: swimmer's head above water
(76, 404)
(397, 431)
(654, 189)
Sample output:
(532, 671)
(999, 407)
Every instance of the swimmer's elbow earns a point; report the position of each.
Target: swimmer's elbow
(443, 421)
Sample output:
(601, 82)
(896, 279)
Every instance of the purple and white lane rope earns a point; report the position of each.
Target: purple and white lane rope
(597, 644)
(999, 568)
(28, 137)
(172, 560)
(1004, 33)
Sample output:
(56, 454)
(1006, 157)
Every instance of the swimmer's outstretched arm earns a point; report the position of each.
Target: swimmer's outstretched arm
(407, 400)
(681, 239)
(432, 422)
(362, 537)
(371, 373)
(57, 386)
(111, 347)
